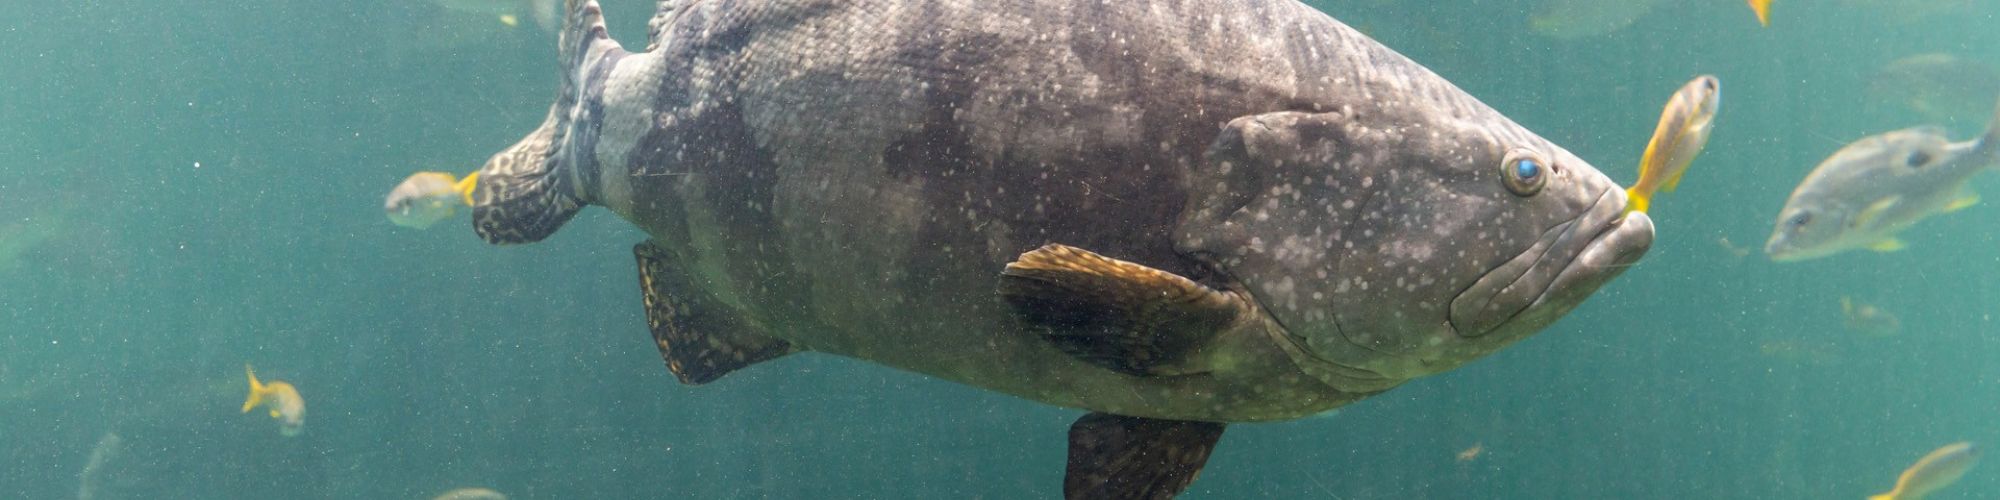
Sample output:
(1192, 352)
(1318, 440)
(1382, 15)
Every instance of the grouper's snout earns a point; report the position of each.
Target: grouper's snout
(1623, 242)
(1622, 238)
(1568, 262)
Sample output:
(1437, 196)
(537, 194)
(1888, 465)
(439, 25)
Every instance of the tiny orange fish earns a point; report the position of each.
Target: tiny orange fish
(1470, 454)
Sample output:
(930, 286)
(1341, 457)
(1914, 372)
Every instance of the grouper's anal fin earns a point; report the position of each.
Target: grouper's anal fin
(1119, 315)
(1126, 458)
(700, 338)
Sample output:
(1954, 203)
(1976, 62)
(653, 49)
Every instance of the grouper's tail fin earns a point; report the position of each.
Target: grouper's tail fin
(527, 191)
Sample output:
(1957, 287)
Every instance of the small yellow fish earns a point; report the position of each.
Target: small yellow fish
(1683, 130)
(425, 198)
(1470, 454)
(1934, 472)
(1763, 10)
(283, 400)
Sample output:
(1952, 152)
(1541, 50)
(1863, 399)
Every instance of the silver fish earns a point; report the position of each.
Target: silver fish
(1876, 187)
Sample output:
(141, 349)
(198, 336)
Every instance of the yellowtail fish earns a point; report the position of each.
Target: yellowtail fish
(425, 198)
(1763, 10)
(282, 399)
(1934, 472)
(1683, 130)
(1874, 188)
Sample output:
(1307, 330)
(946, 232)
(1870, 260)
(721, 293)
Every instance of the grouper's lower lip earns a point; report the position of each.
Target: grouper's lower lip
(1563, 267)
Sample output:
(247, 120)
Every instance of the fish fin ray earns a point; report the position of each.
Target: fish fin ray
(1874, 211)
(1763, 10)
(465, 186)
(1674, 182)
(1115, 314)
(700, 338)
(1966, 199)
(257, 390)
(1636, 201)
(1115, 456)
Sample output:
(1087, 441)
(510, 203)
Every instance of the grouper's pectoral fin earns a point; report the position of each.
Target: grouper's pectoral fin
(1119, 457)
(1115, 314)
(700, 338)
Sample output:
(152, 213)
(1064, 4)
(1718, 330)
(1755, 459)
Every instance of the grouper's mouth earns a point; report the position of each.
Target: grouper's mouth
(1563, 267)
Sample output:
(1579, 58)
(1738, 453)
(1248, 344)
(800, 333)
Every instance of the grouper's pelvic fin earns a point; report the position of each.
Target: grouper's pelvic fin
(525, 191)
(1126, 317)
(700, 337)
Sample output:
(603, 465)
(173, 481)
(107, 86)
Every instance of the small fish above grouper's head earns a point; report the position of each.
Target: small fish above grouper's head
(1683, 130)
(426, 198)
(1935, 471)
(1874, 188)
(1763, 10)
(282, 400)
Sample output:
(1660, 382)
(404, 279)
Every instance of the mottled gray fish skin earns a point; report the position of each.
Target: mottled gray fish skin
(856, 174)
(1876, 187)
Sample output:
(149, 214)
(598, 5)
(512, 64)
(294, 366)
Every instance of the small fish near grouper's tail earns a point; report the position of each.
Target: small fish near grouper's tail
(1763, 10)
(426, 198)
(1683, 130)
(525, 192)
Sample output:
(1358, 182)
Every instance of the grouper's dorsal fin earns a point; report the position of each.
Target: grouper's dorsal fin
(700, 338)
(1132, 458)
(1119, 315)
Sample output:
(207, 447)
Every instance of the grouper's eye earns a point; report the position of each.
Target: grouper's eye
(1524, 173)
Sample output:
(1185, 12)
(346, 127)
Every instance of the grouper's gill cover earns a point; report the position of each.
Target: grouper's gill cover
(1386, 239)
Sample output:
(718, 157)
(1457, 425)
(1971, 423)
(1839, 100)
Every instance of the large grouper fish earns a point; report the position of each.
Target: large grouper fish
(1170, 214)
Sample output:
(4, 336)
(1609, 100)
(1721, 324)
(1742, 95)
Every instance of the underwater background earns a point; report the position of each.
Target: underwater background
(188, 186)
